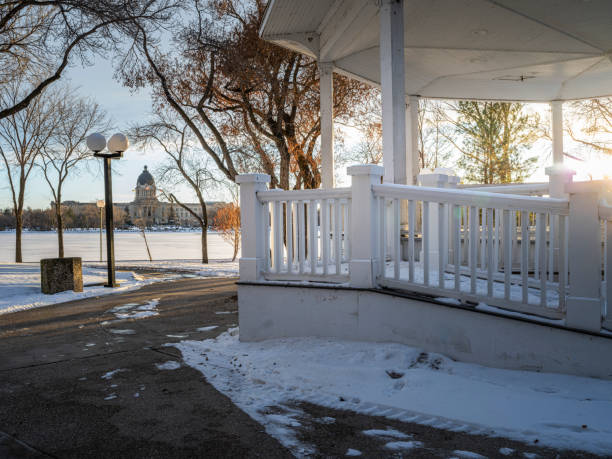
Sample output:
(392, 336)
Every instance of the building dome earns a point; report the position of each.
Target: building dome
(145, 178)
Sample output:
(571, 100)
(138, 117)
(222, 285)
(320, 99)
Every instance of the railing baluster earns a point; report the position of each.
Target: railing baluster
(301, 236)
(542, 237)
(382, 240)
(562, 261)
(536, 252)
(473, 258)
(337, 236)
(490, 253)
(497, 240)
(278, 237)
(324, 235)
(312, 236)
(347, 232)
(396, 239)
(552, 234)
(441, 244)
(425, 242)
(411, 235)
(483, 237)
(457, 242)
(525, 256)
(507, 247)
(289, 217)
(266, 219)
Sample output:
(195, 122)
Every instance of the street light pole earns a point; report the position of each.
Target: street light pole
(100, 205)
(117, 144)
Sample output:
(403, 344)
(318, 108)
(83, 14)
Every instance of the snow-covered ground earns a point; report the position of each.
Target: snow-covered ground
(214, 268)
(403, 383)
(20, 287)
(20, 283)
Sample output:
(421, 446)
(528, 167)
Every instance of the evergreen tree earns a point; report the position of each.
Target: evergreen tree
(496, 139)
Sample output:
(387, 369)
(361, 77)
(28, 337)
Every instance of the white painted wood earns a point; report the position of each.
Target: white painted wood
(473, 251)
(392, 78)
(252, 226)
(524, 255)
(337, 235)
(326, 98)
(301, 236)
(412, 140)
(382, 236)
(457, 244)
(411, 236)
(325, 235)
(563, 233)
(490, 252)
(541, 231)
(426, 241)
(278, 237)
(313, 243)
(583, 302)
(507, 247)
(556, 108)
(363, 225)
(396, 239)
(305, 195)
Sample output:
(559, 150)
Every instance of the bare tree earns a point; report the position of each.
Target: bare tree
(185, 164)
(23, 137)
(595, 115)
(76, 118)
(41, 38)
(233, 89)
(227, 222)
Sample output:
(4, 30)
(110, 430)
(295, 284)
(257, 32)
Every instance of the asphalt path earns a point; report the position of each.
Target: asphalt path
(61, 396)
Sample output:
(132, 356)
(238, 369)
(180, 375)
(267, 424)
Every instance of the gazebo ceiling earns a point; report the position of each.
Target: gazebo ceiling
(531, 50)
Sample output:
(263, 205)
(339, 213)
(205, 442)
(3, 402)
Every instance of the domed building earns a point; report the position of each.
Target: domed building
(148, 209)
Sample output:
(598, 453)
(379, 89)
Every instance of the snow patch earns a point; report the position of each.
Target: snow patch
(353, 452)
(434, 390)
(506, 451)
(169, 365)
(468, 454)
(391, 433)
(125, 331)
(403, 445)
(205, 329)
(110, 374)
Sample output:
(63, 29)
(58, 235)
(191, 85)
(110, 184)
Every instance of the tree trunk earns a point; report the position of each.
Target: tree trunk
(144, 236)
(18, 229)
(60, 230)
(204, 245)
(236, 244)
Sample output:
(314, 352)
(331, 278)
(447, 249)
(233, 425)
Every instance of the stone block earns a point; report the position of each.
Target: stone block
(61, 274)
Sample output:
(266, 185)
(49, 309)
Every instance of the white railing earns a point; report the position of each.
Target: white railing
(605, 215)
(475, 247)
(527, 189)
(522, 253)
(306, 234)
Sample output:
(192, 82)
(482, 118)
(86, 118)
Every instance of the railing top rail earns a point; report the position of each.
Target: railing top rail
(305, 195)
(512, 188)
(473, 198)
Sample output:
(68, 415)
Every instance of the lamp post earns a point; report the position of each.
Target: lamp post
(100, 204)
(117, 144)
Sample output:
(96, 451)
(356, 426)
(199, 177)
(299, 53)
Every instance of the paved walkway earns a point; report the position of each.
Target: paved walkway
(58, 399)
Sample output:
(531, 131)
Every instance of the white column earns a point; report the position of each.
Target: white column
(556, 108)
(364, 223)
(251, 225)
(583, 301)
(326, 95)
(392, 80)
(413, 165)
(558, 174)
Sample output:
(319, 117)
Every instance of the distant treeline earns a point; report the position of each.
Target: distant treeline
(88, 216)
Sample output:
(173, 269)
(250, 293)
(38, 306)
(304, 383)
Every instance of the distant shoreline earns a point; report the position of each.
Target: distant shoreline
(130, 230)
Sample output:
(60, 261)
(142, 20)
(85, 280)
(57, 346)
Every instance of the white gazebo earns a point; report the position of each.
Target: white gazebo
(474, 255)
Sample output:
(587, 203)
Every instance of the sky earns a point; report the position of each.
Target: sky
(126, 109)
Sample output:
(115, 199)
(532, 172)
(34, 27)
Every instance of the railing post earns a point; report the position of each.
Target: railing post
(364, 225)
(439, 178)
(251, 225)
(583, 301)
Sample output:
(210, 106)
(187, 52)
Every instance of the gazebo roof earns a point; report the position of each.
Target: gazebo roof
(528, 50)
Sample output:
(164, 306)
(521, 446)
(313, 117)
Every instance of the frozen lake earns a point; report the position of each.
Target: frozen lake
(128, 246)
